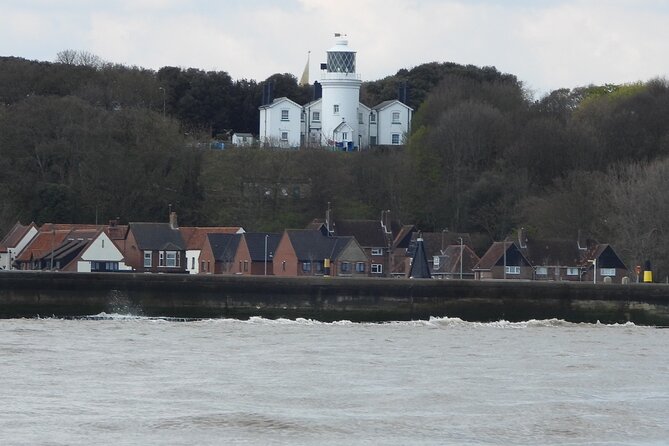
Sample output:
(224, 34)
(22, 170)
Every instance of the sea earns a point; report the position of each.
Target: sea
(112, 379)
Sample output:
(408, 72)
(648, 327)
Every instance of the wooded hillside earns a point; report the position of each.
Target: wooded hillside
(84, 142)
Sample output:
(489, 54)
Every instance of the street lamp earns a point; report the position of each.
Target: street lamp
(266, 236)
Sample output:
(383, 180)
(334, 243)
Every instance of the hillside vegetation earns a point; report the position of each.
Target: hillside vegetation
(83, 142)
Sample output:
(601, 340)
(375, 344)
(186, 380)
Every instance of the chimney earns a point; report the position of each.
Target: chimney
(522, 238)
(173, 220)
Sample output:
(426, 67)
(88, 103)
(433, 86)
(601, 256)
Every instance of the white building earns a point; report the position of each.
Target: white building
(338, 118)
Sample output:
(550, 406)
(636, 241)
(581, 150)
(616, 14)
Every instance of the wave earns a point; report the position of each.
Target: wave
(432, 322)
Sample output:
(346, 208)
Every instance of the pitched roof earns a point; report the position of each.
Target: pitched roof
(224, 246)
(403, 236)
(555, 252)
(14, 236)
(368, 233)
(496, 252)
(157, 237)
(278, 101)
(436, 241)
(386, 104)
(449, 262)
(256, 244)
(312, 245)
(420, 269)
(49, 237)
(194, 237)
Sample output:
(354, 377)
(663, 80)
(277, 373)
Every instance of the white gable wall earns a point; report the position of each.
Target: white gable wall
(387, 126)
(275, 129)
(6, 259)
(101, 249)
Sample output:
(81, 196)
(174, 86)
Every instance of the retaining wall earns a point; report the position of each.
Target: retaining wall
(29, 294)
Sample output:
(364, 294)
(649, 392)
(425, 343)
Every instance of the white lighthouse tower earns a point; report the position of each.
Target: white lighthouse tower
(341, 97)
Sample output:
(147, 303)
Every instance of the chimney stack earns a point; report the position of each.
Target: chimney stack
(173, 220)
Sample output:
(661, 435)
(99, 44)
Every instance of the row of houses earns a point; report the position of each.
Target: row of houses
(335, 247)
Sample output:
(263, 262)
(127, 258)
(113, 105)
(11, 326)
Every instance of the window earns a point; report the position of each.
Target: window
(335, 108)
(542, 271)
(204, 269)
(513, 269)
(318, 266)
(607, 272)
(395, 138)
(192, 264)
(161, 258)
(171, 259)
(344, 136)
(103, 243)
(572, 271)
(372, 140)
(372, 118)
(284, 115)
(435, 261)
(396, 117)
(377, 251)
(377, 268)
(360, 121)
(306, 267)
(345, 267)
(147, 259)
(316, 116)
(246, 266)
(284, 136)
(360, 267)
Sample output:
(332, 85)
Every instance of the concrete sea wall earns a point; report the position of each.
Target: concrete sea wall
(29, 294)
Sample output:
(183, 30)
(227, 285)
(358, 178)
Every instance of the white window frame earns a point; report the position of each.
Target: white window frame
(360, 267)
(376, 268)
(360, 121)
(284, 136)
(148, 259)
(345, 267)
(513, 270)
(436, 261)
(171, 259)
(316, 116)
(607, 272)
(335, 109)
(306, 267)
(344, 136)
(572, 271)
(395, 139)
(285, 114)
(377, 251)
(396, 117)
(372, 118)
(161, 258)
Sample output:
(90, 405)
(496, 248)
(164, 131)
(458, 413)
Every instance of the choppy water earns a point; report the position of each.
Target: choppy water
(138, 381)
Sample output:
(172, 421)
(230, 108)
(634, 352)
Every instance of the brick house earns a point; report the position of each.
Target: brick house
(503, 260)
(154, 247)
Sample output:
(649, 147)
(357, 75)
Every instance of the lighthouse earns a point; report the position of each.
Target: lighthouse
(340, 97)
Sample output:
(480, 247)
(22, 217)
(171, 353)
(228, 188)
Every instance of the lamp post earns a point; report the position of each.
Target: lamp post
(163, 90)
(504, 260)
(266, 236)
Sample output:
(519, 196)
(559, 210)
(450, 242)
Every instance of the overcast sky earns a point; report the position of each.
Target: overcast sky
(546, 44)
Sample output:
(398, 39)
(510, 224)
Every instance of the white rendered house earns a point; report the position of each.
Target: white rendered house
(101, 255)
(337, 119)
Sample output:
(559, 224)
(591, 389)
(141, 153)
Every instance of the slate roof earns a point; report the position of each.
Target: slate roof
(385, 104)
(224, 246)
(368, 233)
(157, 237)
(312, 245)
(556, 252)
(256, 244)
(420, 268)
(403, 235)
(194, 237)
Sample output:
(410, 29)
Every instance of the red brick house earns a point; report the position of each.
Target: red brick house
(304, 252)
(154, 247)
(503, 260)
